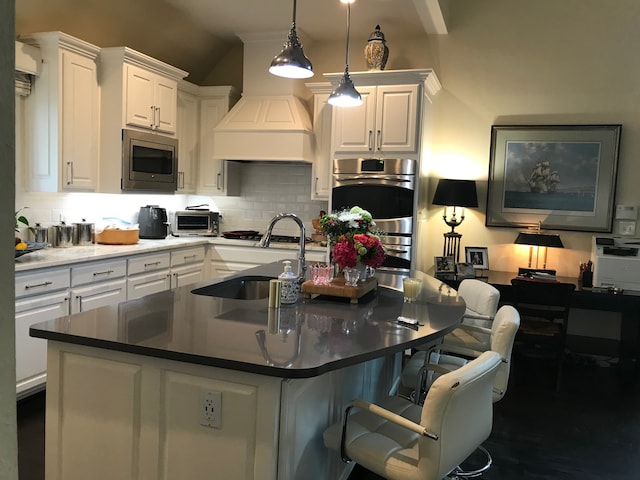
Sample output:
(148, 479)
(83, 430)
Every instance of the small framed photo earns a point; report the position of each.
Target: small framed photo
(445, 264)
(465, 270)
(478, 257)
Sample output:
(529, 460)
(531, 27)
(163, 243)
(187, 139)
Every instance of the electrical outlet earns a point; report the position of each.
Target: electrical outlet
(210, 408)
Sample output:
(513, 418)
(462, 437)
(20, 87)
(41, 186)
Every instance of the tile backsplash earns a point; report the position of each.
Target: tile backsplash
(266, 189)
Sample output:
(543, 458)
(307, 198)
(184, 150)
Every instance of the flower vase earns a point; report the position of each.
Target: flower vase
(364, 271)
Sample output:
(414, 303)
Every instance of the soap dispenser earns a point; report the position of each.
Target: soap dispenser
(290, 288)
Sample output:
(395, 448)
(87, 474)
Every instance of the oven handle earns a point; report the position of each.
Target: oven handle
(362, 178)
(396, 250)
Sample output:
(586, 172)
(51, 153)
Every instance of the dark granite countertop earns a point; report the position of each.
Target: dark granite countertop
(309, 338)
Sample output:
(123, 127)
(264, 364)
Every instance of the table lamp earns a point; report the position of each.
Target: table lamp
(456, 194)
(538, 239)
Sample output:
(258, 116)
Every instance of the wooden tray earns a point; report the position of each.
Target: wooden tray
(337, 288)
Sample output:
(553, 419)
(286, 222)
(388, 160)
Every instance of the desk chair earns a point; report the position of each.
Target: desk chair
(544, 314)
(403, 441)
(482, 303)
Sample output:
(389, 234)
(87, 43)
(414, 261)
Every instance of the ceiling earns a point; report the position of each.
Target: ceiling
(196, 35)
(318, 20)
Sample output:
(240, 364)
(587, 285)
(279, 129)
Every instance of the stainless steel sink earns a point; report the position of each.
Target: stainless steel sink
(251, 287)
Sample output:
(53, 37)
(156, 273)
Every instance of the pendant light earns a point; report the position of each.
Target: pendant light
(291, 62)
(345, 94)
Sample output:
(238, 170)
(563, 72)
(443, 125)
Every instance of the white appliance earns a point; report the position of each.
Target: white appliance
(616, 262)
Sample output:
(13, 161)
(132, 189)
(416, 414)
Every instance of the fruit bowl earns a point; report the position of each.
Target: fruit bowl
(31, 247)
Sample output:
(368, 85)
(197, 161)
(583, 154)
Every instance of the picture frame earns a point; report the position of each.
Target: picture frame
(444, 264)
(478, 257)
(465, 270)
(561, 177)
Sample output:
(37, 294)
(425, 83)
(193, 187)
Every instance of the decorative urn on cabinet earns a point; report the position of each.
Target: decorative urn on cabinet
(376, 51)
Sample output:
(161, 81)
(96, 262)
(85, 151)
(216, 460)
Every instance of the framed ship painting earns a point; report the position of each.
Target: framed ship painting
(561, 177)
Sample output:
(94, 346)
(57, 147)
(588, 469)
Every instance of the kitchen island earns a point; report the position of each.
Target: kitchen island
(190, 386)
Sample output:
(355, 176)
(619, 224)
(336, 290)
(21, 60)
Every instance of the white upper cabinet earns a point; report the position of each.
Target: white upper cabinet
(216, 176)
(151, 100)
(323, 154)
(64, 113)
(389, 120)
(188, 133)
(137, 92)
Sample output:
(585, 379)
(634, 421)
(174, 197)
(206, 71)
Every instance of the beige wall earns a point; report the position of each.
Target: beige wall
(516, 62)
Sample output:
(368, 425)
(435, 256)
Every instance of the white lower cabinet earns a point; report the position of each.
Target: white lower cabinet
(99, 295)
(97, 284)
(31, 353)
(40, 296)
(148, 274)
(229, 259)
(144, 411)
(187, 266)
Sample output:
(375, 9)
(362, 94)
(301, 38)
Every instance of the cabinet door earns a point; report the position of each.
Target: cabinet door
(217, 176)
(186, 275)
(322, 165)
(354, 126)
(98, 295)
(80, 123)
(31, 353)
(139, 98)
(187, 128)
(396, 118)
(165, 103)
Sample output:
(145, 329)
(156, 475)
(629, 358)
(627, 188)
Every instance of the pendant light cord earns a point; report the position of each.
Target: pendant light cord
(348, 29)
(293, 21)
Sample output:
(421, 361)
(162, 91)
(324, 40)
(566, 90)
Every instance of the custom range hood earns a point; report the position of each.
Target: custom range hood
(270, 122)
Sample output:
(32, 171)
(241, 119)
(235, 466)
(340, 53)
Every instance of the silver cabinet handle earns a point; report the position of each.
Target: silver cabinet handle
(157, 118)
(181, 180)
(153, 117)
(70, 173)
(315, 186)
(218, 180)
(152, 264)
(379, 140)
(106, 272)
(370, 140)
(187, 257)
(44, 284)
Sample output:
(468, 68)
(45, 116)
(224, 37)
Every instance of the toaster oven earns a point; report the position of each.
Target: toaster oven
(203, 223)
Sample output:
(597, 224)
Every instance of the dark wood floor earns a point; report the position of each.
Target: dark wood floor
(588, 430)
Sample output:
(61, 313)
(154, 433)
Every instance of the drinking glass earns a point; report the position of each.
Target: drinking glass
(351, 276)
(411, 288)
(321, 274)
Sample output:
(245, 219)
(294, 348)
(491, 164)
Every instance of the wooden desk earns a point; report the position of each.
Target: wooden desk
(626, 303)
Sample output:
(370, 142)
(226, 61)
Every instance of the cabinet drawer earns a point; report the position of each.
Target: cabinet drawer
(149, 283)
(148, 263)
(98, 272)
(99, 295)
(187, 255)
(42, 281)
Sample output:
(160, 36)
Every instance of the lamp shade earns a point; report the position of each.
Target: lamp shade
(539, 240)
(456, 193)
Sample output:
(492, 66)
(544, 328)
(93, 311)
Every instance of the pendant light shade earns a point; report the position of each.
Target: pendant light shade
(345, 94)
(291, 62)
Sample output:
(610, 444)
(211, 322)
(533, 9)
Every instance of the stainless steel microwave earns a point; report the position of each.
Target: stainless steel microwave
(149, 162)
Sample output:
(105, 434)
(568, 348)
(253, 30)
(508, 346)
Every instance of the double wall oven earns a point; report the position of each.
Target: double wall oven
(387, 189)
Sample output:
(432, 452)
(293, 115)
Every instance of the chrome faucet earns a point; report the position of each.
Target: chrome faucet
(266, 240)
